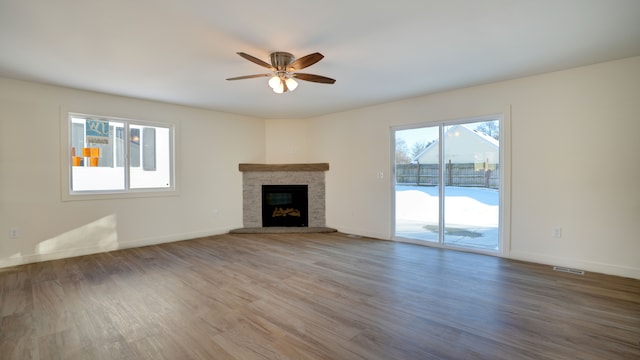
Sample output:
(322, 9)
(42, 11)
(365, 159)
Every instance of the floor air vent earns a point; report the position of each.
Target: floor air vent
(568, 270)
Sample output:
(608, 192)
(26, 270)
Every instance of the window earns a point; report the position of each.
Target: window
(112, 155)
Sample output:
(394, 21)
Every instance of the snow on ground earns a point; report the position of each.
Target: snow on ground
(471, 215)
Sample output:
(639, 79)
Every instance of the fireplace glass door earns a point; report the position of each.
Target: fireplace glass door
(284, 205)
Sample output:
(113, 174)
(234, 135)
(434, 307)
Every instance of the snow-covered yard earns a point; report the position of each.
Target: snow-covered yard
(471, 215)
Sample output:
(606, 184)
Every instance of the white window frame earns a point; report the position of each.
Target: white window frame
(68, 194)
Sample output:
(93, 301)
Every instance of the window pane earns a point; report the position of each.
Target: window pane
(155, 171)
(471, 193)
(93, 150)
(417, 183)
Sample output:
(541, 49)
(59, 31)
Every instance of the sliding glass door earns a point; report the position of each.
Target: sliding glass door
(447, 184)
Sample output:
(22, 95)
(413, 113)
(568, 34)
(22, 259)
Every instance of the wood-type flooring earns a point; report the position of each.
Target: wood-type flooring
(311, 296)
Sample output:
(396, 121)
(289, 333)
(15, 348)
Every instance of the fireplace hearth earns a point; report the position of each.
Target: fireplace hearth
(284, 205)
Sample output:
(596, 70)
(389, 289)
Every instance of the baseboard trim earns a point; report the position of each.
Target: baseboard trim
(363, 233)
(588, 266)
(74, 252)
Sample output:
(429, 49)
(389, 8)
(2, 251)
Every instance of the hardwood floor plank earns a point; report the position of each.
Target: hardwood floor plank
(50, 313)
(16, 292)
(60, 345)
(18, 338)
(311, 296)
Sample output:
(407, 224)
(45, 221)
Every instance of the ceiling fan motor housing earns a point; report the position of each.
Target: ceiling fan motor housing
(280, 60)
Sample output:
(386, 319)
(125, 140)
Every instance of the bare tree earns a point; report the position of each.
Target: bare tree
(402, 152)
(490, 128)
(418, 148)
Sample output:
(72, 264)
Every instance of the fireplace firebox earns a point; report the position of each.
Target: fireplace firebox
(285, 205)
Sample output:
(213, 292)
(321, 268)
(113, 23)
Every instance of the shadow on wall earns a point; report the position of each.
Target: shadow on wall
(98, 236)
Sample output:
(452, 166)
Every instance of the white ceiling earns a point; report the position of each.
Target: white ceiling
(181, 51)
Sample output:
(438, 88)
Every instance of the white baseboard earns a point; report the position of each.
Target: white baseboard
(588, 266)
(362, 232)
(73, 252)
(170, 238)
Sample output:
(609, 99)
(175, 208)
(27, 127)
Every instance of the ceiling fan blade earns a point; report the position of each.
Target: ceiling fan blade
(255, 60)
(249, 76)
(305, 61)
(314, 78)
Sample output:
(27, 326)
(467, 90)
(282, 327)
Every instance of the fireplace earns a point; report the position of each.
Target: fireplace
(285, 205)
(256, 177)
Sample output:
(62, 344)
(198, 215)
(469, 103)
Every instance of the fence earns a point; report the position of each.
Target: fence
(455, 175)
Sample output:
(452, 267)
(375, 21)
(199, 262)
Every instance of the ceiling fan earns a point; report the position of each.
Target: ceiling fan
(284, 67)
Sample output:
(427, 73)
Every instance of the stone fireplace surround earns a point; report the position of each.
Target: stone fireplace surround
(256, 175)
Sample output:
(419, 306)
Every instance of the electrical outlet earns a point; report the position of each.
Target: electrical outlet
(14, 233)
(380, 175)
(556, 232)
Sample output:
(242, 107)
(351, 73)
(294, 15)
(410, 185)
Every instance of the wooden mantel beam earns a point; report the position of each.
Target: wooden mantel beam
(284, 167)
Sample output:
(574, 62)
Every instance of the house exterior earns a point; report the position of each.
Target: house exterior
(463, 146)
(471, 159)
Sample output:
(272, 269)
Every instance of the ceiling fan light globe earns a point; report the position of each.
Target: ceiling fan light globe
(274, 82)
(279, 89)
(291, 84)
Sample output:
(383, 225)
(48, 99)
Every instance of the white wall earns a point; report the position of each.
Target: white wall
(211, 145)
(287, 141)
(575, 147)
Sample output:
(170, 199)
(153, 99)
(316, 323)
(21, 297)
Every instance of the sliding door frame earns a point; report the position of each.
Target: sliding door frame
(504, 222)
